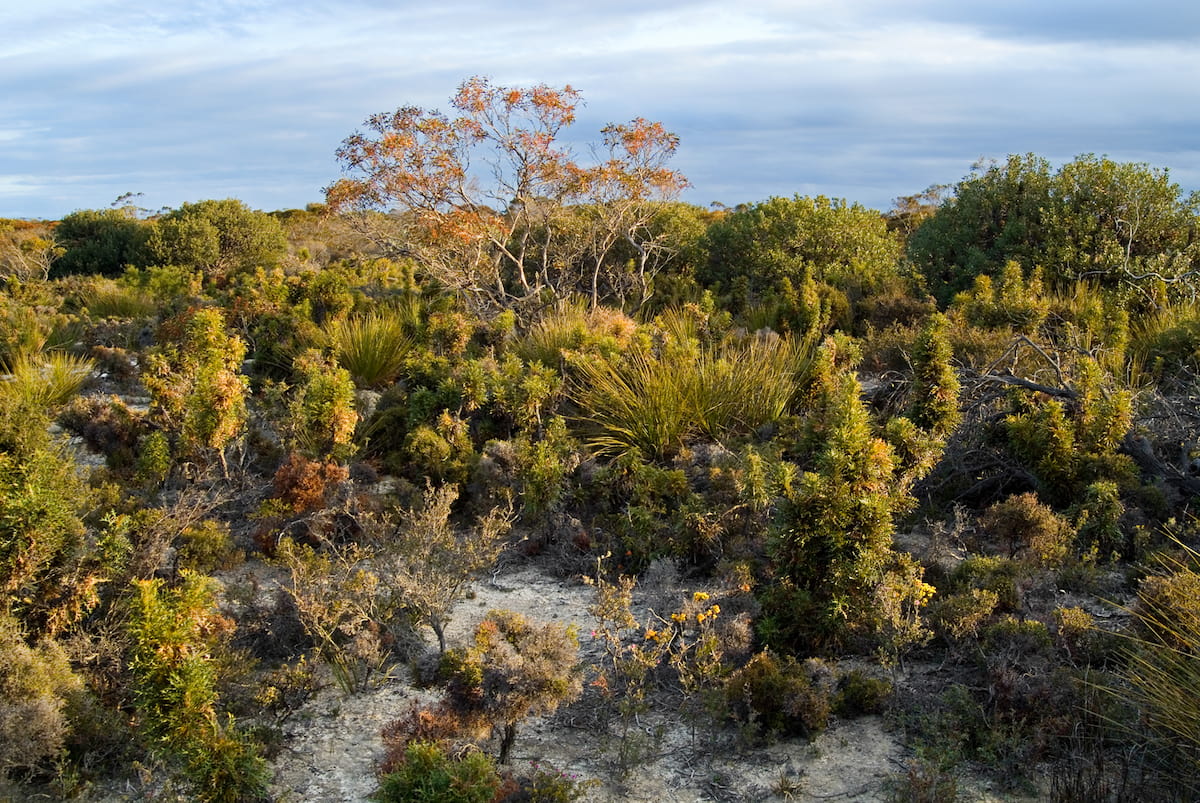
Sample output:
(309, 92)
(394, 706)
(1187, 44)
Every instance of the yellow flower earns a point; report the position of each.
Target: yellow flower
(700, 596)
(651, 634)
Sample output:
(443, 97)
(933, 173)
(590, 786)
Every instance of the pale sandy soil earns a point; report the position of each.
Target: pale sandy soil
(334, 743)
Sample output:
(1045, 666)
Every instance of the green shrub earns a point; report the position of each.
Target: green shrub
(958, 617)
(154, 460)
(546, 784)
(117, 301)
(442, 451)
(217, 238)
(321, 412)
(44, 573)
(543, 466)
(1070, 446)
(1015, 302)
(778, 696)
(1012, 641)
(1029, 530)
(196, 385)
(514, 669)
(832, 545)
(102, 241)
(207, 546)
(1168, 339)
(935, 386)
(572, 327)
(172, 634)
(858, 693)
(989, 573)
(428, 775)
(1098, 520)
(1162, 665)
(47, 380)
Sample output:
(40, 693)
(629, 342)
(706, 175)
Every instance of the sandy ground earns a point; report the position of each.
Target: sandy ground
(334, 743)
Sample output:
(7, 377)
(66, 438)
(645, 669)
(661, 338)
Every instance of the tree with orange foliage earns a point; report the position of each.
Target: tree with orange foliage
(493, 204)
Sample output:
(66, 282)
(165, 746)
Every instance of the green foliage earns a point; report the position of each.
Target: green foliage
(196, 384)
(842, 244)
(832, 546)
(543, 466)
(172, 633)
(1118, 223)
(1070, 446)
(321, 412)
(779, 696)
(217, 238)
(550, 785)
(989, 573)
(372, 347)
(1029, 530)
(573, 327)
(345, 607)
(1098, 523)
(154, 460)
(103, 241)
(206, 546)
(1114, 220)
(859, 694)
(170, 286)
(1162, 665)
(1167, 340)
(442, 450)
(428, 775)
(44, 578)
(1013, 302)
(24, 330)
(655, 404)
(120, 301)
(958, 617)
(934, 405)
(27, 250)
(45, 381)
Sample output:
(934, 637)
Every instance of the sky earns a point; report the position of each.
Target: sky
(866, 100)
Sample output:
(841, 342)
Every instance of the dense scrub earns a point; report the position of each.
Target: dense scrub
(944, 433)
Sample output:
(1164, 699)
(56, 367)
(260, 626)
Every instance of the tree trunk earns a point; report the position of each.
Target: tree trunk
(506, 741)
(435, 624)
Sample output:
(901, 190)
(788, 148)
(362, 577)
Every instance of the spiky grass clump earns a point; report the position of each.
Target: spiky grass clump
(46, 380)
(1167, 340)
(573, 327)
(371, 347)
(113, 301)
(1162, 664)
(656, 403)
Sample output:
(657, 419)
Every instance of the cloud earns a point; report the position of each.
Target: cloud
(210, 98)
